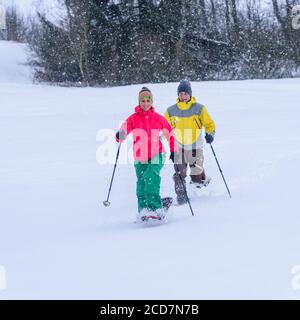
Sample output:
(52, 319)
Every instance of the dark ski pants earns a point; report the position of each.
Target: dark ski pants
(184, 158)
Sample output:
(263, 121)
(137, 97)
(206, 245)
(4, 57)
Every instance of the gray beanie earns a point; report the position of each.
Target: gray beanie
(184, 86)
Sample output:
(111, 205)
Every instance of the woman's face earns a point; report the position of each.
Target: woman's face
(146, 103)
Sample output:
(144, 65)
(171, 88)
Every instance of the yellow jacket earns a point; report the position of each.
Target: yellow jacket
(187, 120)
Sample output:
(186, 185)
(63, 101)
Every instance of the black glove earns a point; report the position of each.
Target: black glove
(172, 155)
(121, 135)
(209, 138)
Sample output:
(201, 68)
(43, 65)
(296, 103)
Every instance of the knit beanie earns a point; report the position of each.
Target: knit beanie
(184, 86)
(145, 93)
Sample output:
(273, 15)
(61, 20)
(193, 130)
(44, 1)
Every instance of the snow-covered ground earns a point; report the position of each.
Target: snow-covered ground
(13, 68)
(58, 241)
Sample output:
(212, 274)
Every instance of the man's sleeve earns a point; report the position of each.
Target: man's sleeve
(207, 121)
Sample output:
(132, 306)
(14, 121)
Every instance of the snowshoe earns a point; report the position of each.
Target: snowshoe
(181, 201)
(150, 217)
(203, 183)
(158, 215)
(166, 203)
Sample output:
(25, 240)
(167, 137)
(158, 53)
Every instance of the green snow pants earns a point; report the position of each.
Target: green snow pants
(148, 183)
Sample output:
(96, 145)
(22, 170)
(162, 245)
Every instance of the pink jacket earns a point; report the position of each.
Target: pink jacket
(145, 127)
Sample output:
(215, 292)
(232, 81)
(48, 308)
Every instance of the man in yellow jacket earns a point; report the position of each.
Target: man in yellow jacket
(187, 119)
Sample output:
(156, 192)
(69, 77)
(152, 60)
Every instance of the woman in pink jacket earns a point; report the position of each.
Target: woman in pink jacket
(146, 125)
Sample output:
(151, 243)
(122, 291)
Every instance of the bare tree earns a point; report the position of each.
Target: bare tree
(15, 24)
(285, 21)
(78, 25)
(203, 11)
(235, 18)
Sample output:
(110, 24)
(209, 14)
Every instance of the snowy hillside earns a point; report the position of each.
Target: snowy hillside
(58, 241)
(13, 57)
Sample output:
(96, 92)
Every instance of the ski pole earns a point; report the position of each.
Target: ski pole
(106, 202)
(184, 188)
(220, 169)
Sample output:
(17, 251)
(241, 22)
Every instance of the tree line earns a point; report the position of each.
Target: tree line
(105, 42)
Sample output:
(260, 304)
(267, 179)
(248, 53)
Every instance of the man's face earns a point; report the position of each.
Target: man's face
(184, 96)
